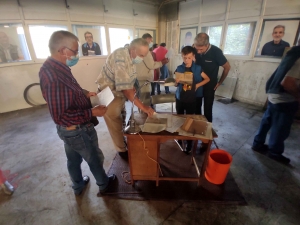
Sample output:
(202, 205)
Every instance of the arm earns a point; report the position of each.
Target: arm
(129, 94)
(204, 81)
(290, 85)
(226, 67)
(98, 51)
(150, 63)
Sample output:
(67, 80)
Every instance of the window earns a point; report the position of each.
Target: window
(13, 46)
(119, 37)
(40, 35)
(214, 33)
(92, 39)
(140, 32)
(239, 38)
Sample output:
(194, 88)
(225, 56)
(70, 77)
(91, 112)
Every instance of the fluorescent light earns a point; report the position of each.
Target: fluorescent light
(6, 26)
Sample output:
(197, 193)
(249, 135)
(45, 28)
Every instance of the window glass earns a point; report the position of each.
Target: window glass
(40, 35)
(119, 37)
(13, 46)
(239, 38)
(92, 39)
(214, 33)
(140, 32)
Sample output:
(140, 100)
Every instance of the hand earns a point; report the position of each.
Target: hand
(218, 84)
(149, 111)
(165, 61)
(99, 110)
(89, 94)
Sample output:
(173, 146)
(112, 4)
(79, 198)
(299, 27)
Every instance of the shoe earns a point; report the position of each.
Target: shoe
(261, 148)
(111, 179)
(279, 158)
(168, 92)
(86, 180)
(124, 155)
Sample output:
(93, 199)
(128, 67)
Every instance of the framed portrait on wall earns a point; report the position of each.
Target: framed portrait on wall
(276, 35)
(187, 36)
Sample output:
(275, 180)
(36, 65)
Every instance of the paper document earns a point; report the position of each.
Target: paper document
(173, 122)
(154, 124)
(206, 135)
(104, 97)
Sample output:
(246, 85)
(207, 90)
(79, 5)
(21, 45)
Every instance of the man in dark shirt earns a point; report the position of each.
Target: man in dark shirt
(71, 111)
(210, 58)
(90, 47)
(277, 46)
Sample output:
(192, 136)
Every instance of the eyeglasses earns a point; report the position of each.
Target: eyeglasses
(88, 36)
(75, 52)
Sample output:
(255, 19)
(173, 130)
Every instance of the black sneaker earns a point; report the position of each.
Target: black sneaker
(261, 148)
(187, 150)
(124, 155)
(111, 179)
(86, 180)
(279, 158)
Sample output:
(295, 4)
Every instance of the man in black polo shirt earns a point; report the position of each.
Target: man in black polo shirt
(277, 46)
(210, 58)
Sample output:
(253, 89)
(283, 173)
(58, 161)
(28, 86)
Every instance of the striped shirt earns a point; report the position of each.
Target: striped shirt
(67, 103)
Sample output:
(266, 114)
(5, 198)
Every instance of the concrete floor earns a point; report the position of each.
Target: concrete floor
(32, 151)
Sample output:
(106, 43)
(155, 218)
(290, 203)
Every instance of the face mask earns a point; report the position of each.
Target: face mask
(137, 60)
(150, 44)
(73, 61)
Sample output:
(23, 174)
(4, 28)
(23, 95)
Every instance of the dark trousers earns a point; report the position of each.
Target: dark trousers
(278, 118)
(154, 86)
(185, 108)
(164, 74)
(198, 108)
(208, 97)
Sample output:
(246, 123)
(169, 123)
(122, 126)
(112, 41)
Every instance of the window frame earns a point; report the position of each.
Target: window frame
(40, 23)
(215, 24)
(28, 42)
(93, 24)
(254, 37)
(117, 26)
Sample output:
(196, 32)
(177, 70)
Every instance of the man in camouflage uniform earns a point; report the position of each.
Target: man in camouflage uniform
(119, 73)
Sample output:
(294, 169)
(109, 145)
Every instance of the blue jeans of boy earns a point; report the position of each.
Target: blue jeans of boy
(164, 75)
(278, 118)
(83, 143)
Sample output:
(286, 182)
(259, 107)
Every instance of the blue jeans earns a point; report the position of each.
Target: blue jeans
(83, 143)
(164, 75)
(278, 118)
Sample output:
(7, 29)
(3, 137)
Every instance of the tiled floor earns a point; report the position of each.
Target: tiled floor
(32, 151)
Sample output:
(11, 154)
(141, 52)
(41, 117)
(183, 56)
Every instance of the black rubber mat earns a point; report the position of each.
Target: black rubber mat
(173, 163)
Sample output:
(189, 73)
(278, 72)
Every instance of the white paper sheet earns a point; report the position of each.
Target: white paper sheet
(173, 122)
(104, 97)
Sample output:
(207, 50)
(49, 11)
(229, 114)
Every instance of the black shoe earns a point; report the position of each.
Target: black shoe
(261, 148)
(124, 155)
(111, 179)
(279, 158)
(86, 180)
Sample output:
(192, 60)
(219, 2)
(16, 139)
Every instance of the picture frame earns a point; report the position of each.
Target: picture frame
(186, 37)
(271, 32)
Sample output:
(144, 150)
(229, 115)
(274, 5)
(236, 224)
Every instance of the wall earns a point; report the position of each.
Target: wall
(15, 77)
(252, 72)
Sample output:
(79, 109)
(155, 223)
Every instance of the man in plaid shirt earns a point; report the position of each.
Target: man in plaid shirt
(71, 111)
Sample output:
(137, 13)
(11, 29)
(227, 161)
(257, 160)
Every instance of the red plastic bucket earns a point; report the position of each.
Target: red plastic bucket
(218, 165)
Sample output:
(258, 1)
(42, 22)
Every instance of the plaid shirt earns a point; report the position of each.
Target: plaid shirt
(66, 101)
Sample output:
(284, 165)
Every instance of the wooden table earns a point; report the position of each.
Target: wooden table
(144, 164)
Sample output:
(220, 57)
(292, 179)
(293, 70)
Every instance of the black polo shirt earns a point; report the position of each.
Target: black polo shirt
(210, 61)
(272, 49)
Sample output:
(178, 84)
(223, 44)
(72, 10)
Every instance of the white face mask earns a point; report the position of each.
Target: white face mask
(137, 60)
(151, 44)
